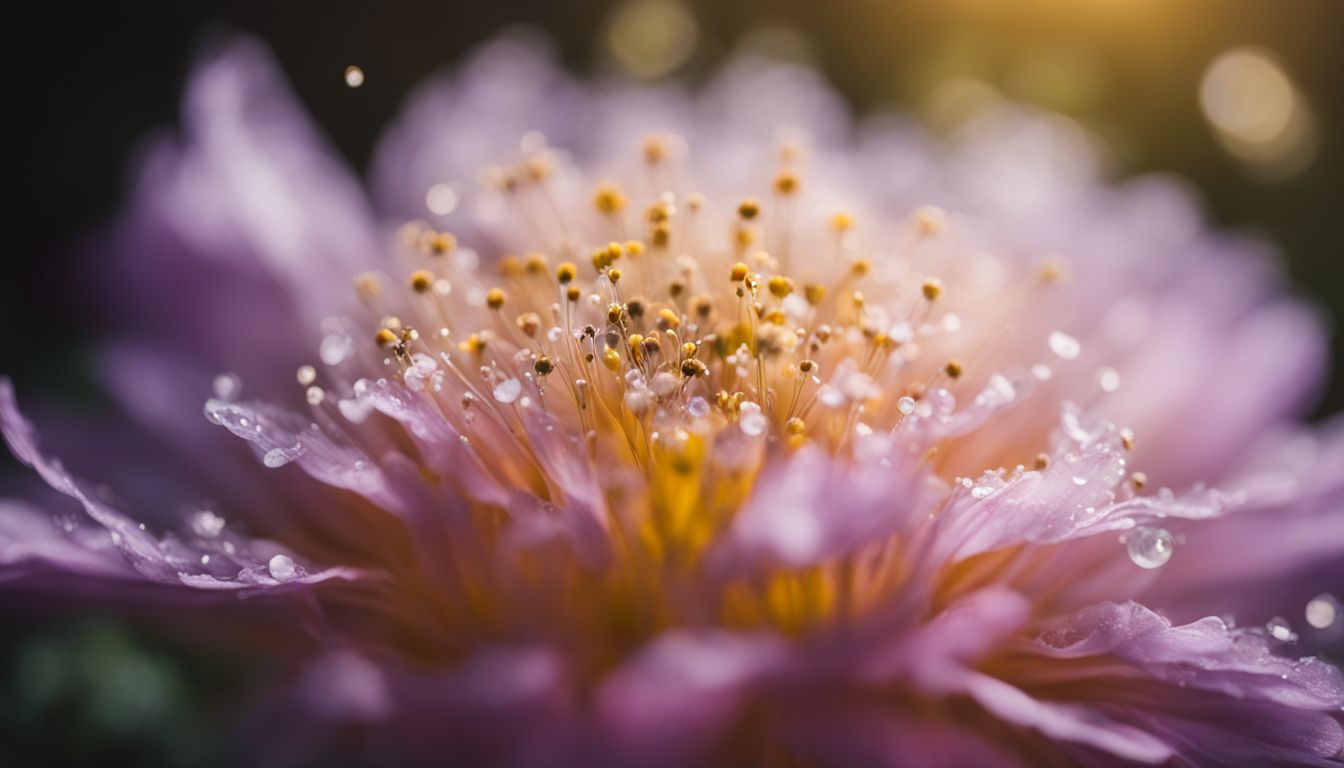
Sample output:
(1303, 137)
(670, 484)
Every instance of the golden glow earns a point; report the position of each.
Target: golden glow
(1257, 112)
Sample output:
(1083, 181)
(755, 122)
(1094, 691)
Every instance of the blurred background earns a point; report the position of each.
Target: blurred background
(1243, 97)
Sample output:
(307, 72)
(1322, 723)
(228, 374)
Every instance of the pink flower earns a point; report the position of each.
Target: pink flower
(644, 427)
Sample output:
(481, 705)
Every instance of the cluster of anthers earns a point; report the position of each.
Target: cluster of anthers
(676, 351)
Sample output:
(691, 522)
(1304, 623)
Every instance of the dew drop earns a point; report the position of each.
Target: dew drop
(354, 76)
(906, 405)
(206, 523)
(281, 567)
(1279, 629)
(279, 457)
(1108, 379)
(306, 375)
(698, 407)
(508, 390)
(1064, 345)
(752, 422)
(315, 395)
(1322, 611)
(335, 348)
(1150, 547)
(981, 491)
(441, 199)
(227, 386)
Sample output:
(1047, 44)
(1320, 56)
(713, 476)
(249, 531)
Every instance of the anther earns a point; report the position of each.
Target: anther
(953, 369)
(494, 299)
(748, 209)
(421, 281)
(932, 289)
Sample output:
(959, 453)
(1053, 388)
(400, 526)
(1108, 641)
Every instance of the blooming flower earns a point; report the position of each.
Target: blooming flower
(642, 427)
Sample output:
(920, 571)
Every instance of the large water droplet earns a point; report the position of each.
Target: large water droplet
(752, 421)
(508, 390)
(1322, 611)
(698, 407)
(281, 568)
(1150, 547)
(1064, 345)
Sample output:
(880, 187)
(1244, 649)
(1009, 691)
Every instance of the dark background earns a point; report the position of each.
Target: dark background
(85, 82)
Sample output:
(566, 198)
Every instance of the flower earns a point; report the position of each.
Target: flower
(707, 428)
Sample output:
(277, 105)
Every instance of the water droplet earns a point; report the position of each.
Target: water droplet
(1080, 481)
(981, 491)
(441, 199)
(315, 395)
(1041, 372)
(281, 567)
(1322, 611)
(354, 76)
(279, 457)
(206, 523)
(1279, 629)
(906, 405)
(1150, 547)
(335, 348)
(508, 390)
(698, 407)
(1064, 345)
(752, 422)
(227, 386)
(1108, 379)
(306, 375)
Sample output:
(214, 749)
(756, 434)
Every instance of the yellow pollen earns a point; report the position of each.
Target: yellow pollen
(795, 426)
(529, 323)
(535, 263)
(495, 298)
(932, 289)
(953, 369)
(780, 286)
(566, 272)
(786, 183)
(385, 337)
(510, 266)
(739, 272)
(422, 281)
(860, 267)
(668, 319)
(612, 359)
(614, 312)
(609, 199)
(841, 221)
(748, 209)
(442, 243)
(814, 293)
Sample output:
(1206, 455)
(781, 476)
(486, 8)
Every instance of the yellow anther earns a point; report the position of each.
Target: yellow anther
(932, 289)
(543, 366)
(780, 286)
(614, 312)
(786, 182)
(814, 293)
(661, 235)
(841, 221)
(748, 209)
(1051, 272)
(608, 198)
(1127, 438)
(634, 247)
(688, 349)
(930, 220)
(473, 344)
(614, 275)
(739, 272)
(953, 369)
(612, 359)
(691, 367)
(655, 149)
(495, 298)
(1138, 480)
(368, 285)
(1042, 461)
(441, 243)
(421, 281)
(860, 267)
(702, 306)
(534, 263)
(566, 272)
(668, 319)
(573, 293)
(807, 366)
(529, 323)
(510, 266)
(795, 426)
(386, 337)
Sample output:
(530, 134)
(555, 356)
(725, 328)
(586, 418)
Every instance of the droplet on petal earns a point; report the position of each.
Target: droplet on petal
(752, 421)
(207, 523)
(279, 457)
(1279, 629)
(1150, 547)
(1064, 345)
(906, 405)
(281, 568)
(227, 386)
(508, 390)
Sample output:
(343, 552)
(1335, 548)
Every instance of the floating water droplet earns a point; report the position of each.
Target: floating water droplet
(281, 568)
(1150, 547)
(752, 422)
(335, 348)
(315, 395)
(1064, 345)
(441, 199)
(227, 386)
(508, 390)
(1279, 629)
(306, 375)
(1108, 379)
(1322, 611)
(354, 76)
(206, 523)
(698, 407)
(906, 405)
(1041, 372)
